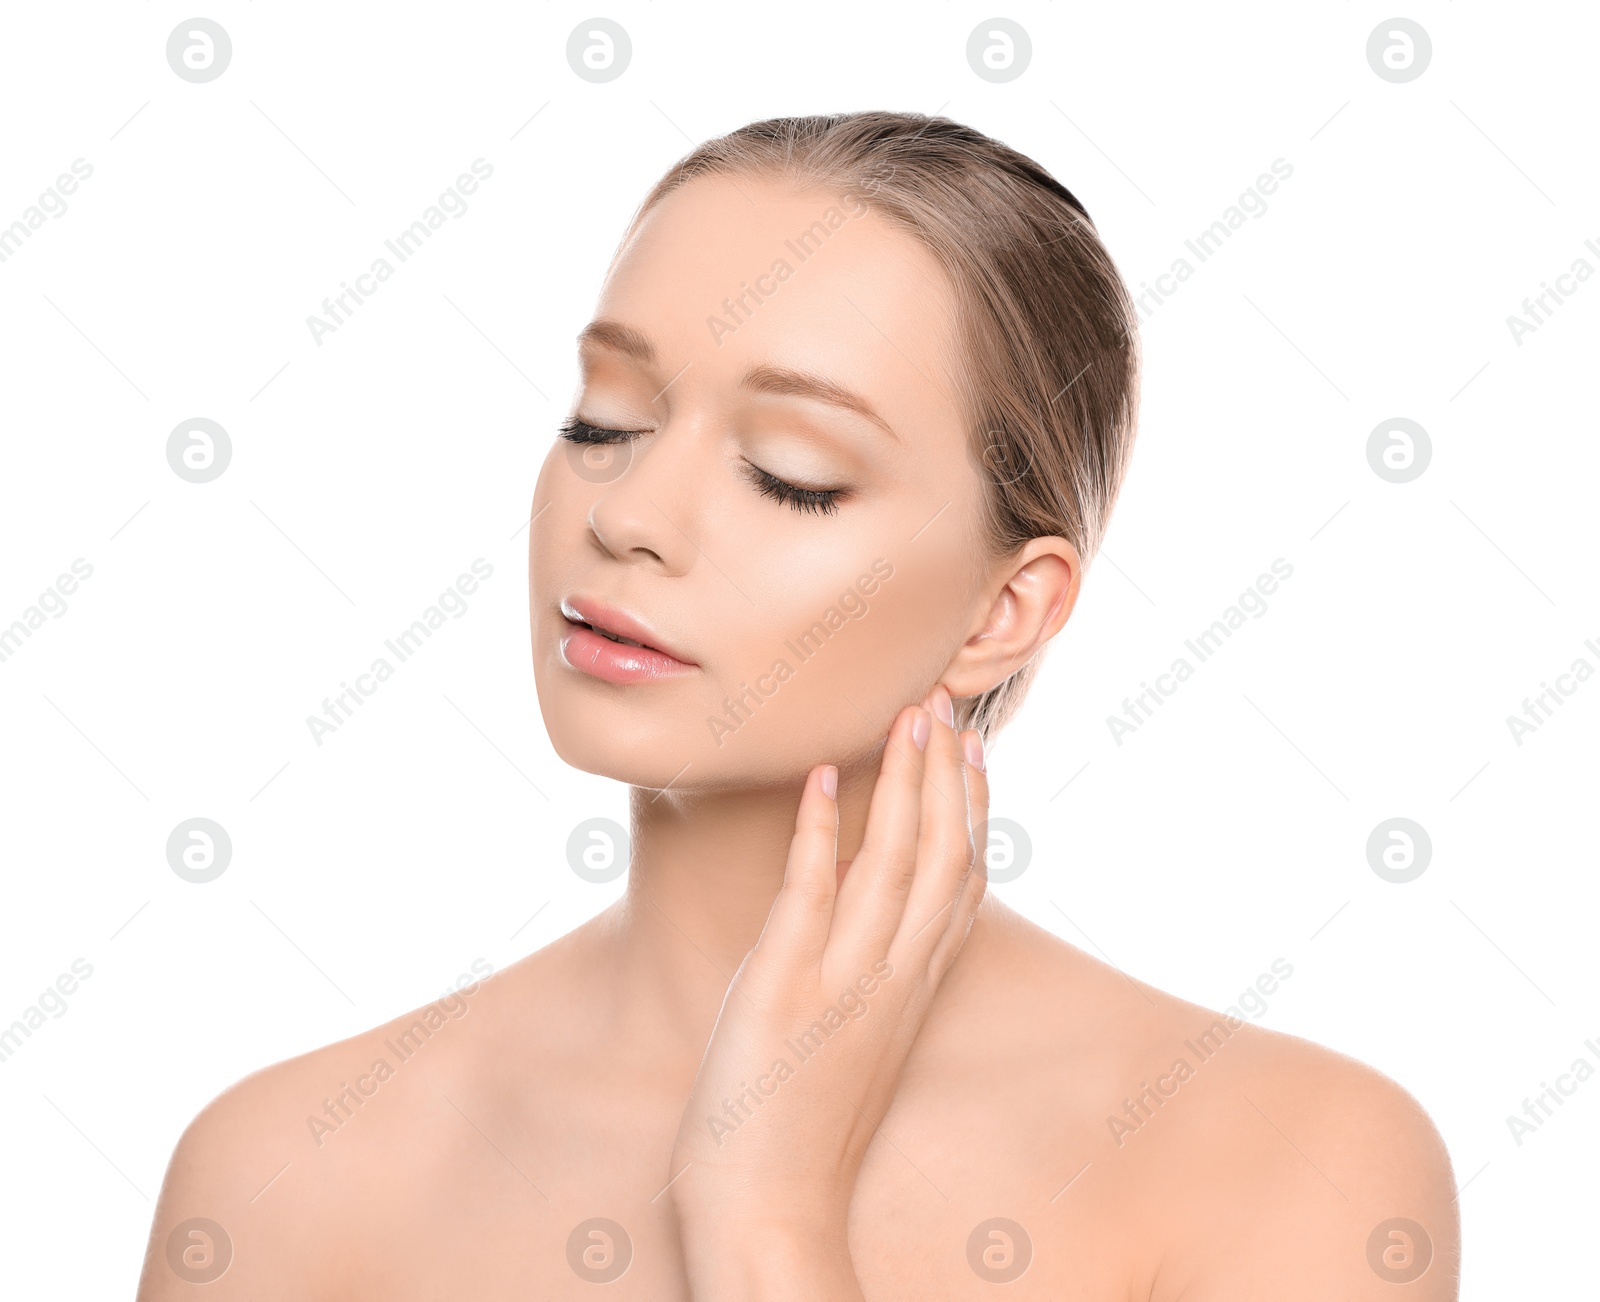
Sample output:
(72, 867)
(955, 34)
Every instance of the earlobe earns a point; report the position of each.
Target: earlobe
(1038, 589)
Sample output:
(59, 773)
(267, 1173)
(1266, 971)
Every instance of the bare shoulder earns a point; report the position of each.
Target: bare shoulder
(1258, 1164)
(1330, 1172)
(217, 1220)
(276, 1183)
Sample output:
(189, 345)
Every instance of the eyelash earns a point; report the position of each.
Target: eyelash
(811, 501)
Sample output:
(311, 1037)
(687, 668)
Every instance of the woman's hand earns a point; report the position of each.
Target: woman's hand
(819, 1019)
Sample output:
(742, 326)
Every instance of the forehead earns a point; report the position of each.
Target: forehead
(727, 272)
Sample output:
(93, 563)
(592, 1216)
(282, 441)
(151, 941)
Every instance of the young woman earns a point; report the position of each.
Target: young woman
(856, 403)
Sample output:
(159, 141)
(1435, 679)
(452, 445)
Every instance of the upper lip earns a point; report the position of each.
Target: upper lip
(608, 619)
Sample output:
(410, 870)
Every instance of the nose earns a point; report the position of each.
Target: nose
(642, 515)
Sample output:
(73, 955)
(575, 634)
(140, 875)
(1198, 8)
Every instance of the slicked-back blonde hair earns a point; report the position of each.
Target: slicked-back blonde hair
(1048, 331)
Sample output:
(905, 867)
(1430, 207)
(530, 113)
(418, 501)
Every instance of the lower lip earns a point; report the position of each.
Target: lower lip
(615, 662)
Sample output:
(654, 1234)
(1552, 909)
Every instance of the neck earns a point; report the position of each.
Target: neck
(704, 869)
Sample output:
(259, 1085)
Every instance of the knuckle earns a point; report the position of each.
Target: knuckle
(947, 845)
(893, 860)
(809, 891)
(903, 867)
(813, 898)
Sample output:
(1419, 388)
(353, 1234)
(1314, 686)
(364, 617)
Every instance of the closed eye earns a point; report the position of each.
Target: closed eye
(816, 501)
(578, 431)
(813, 501)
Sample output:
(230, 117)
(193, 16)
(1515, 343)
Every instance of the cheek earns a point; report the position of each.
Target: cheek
(555, 529)
(813, 631)
(557, 522)
(821, 674)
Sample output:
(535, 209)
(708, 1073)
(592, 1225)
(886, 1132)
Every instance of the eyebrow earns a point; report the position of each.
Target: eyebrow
(783, 382)
(780, 381)
(620, 338)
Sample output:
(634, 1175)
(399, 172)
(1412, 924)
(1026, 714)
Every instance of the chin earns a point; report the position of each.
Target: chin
(638, 736)
(631, 734)
(688, 734)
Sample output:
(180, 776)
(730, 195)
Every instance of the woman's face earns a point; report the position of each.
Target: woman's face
(790, 509)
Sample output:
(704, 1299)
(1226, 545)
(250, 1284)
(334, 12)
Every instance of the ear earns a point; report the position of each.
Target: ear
(1036, 590)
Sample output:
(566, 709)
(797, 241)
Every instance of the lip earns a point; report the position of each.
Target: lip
(589, 652)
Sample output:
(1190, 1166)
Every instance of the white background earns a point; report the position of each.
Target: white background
(369, 471)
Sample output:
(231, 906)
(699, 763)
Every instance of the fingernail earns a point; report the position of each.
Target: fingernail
(943, 706)
(921, 726)
(830, 781)
(972, 747)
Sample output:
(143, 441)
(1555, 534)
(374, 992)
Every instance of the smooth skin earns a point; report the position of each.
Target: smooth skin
(826, 846)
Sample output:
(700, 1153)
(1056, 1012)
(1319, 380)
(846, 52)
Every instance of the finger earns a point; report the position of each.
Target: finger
(797, 928)
(872, 897)
(944, 842)
(976, 882)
